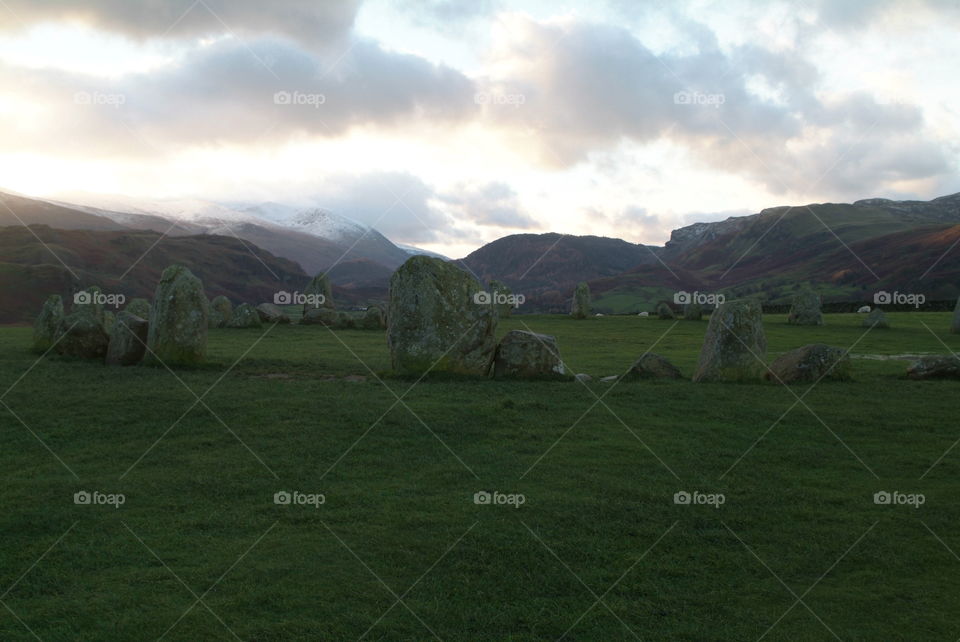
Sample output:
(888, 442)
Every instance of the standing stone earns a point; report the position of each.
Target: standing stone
(504, 292)
(269, 313)
(319, 286)
(109, 318)
(245, 316)
(139, 307)
(373, 319)
(664, 311)
(692, 312)
(955, 326)
(876, 319)
(581, 301)
(47, 323)
(735, 345)
(128, 340)
(805, 309)
(433, 322)
(221, 312)
(527, 355)
(320, 316)
(810, 364)
(88, 302)
(178, 320)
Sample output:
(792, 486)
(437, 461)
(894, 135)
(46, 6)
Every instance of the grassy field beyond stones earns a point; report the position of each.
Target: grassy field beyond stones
(598, 481)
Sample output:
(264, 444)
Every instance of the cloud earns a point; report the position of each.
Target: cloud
(309, 21)
(493, 204)
(236, 92)
(446, 12)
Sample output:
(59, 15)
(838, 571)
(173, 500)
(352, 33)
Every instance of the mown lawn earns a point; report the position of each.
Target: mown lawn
(597, 551)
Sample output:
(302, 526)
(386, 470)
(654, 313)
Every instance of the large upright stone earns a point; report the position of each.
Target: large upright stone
(434, 323)
(178, 320)
(581, 301)
(221, 311)
(128, 340)
(735, 345)
(805, 309)
(319, 293)
(47, 323)
(527, 355)
(955, 326)
(500, 292)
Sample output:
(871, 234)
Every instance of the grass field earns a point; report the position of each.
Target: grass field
(399, 550)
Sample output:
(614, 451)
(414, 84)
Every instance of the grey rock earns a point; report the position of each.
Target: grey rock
(735, 345)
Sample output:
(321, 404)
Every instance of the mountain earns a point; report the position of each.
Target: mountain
(129, 262)
(360, 241)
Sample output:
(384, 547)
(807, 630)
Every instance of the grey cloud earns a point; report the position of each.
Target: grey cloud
(494, 204)
(309, 21)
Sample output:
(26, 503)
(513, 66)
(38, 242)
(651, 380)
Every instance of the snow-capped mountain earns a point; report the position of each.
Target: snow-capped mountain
(413, 250)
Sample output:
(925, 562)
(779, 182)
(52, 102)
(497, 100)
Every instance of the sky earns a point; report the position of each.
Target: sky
(449, 124)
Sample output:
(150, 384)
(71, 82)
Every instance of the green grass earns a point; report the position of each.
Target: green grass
(598, 478)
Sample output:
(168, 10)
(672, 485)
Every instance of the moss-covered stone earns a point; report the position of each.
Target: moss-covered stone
(805, 309)
(581, 301)
(664, 311)
(178, 320)
(937, 366)
(527, 355)
(504, 310)
(47, 323)
(81, 334)
(811, 363)
(221, 312)
(269, 313)
(128, 340)
(876, 319)
(138, 307)
(319, 286)
(434, 323)
(735, 345)
(652, 366)
(245, 316)
(692, 312)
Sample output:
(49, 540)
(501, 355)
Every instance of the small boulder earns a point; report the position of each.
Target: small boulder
(735, 345)
(876, 319)
(221, 312)
(81, 334)
(692, 312)
(938, 366)
(810, 364)
(48, 323)
(865, 309)
(138, 307)
(583, 377)
(528, 355)
(652, 366)
(644, 314)
(805, 309)
(373, 319)
(245, 316)
(320, 316)
(128, 340)
(664, 311)
(177, 332)
(434, 322)
(581, 301)
(269, 313)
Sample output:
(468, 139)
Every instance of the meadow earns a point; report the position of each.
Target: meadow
(589, 543)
